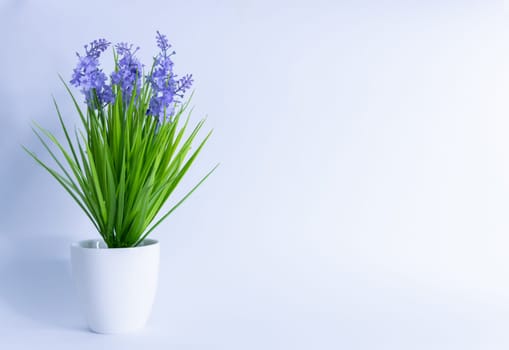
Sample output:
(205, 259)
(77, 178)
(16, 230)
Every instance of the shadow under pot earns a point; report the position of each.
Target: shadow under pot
(116, 286)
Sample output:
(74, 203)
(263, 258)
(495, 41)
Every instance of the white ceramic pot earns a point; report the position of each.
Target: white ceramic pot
(116, 286)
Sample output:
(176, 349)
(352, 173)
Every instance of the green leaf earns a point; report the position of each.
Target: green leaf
(122, 166)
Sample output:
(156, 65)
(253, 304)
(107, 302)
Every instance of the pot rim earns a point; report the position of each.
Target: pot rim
(99, 244)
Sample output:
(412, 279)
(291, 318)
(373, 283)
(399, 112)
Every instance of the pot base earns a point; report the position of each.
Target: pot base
(116, 286)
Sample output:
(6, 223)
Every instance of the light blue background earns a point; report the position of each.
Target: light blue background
(362, 199)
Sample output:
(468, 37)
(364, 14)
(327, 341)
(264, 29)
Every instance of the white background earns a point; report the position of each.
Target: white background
(362, 200)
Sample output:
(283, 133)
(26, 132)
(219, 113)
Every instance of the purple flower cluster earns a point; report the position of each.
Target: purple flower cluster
(166, 89)
(128, 72)
(89, 77)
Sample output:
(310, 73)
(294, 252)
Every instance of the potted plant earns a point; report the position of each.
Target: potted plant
(121, 167)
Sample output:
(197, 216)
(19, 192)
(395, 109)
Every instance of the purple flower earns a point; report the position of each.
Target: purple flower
(97, 47)
(162, 42)
(166, 90)
(90, 78)
(128, 71)
(183, 84)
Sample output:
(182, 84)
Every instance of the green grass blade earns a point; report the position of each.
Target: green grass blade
(175, 206)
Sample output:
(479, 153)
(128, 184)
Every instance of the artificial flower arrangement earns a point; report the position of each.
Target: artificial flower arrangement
(121, 168)
(132, 152)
